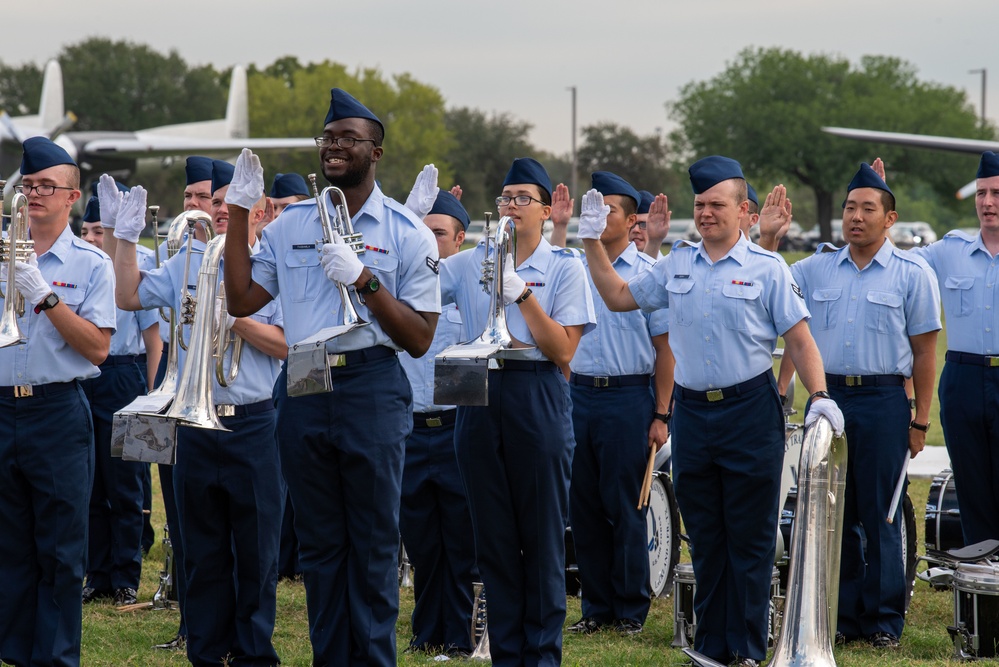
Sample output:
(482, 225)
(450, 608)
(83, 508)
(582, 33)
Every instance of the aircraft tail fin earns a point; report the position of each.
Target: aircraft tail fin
(235, 125)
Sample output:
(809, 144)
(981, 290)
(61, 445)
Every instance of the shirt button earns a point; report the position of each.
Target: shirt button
(853, 298)
(987, 329)
(707, 338)
(708, 362)
(988, 307)
(705, 314)
(848, 343)
(707, 291)
(850, 321)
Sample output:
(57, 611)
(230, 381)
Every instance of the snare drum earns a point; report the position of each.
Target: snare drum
(943, 517)
(684, 619)
(663, 530)
(976, 611)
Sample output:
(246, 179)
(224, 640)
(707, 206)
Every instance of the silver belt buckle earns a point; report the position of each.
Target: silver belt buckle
(601, 382)
(854, 380)
(225, 410)
(335, 360)
(23, 391)
(715, 395)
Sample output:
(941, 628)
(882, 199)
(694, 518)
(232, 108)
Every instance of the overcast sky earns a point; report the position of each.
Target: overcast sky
(626, 58)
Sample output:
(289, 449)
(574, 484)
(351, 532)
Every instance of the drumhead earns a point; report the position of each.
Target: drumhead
(663, 530)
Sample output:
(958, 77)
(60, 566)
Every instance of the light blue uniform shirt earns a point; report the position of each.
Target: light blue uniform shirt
(127, 338)
(862, 318)
(161, 288)
(83, 278)
(556, 277)
(621, 343)
(968, 278)
(724, 316)
(421, 371)
(401, 253)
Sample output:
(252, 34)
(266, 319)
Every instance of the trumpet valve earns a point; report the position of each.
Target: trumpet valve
(355, 241)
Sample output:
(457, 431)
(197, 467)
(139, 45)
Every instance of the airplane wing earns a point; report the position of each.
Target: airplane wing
(916, 140)
(141, 145)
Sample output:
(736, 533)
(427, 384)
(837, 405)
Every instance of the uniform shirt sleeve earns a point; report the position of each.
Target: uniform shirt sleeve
(573, 304)
(786, 300)
(419, 284)
(263, 266)
(157, 288)
(922, 302)
(649, 287)
(98, 306)
(147, 318)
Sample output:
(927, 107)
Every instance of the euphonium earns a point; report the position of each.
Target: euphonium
(480, 623)
(16, 247)
(809, 624)
(308, 364)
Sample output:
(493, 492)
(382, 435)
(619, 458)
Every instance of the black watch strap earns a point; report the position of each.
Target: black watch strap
(819, 394)
(51, 300)
(664, 417)
(919, 427)
(523, 297)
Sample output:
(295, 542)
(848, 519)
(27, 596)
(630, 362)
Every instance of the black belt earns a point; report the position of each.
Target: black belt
(141, 359)
(972, 359)
(714, 395)
(433, 419)
(602, 381)
(524, 365)
(223, 410)
(865, 380)
(37, 390)
(119, 360)
(354, 357)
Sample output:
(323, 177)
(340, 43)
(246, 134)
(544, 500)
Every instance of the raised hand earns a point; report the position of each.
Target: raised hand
(109, 199)
(131, 215)
(592, 216)
(775, 217)
(657, 224)
(247, 185)
(424, 193)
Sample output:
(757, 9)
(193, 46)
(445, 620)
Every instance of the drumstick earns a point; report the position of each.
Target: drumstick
(898, 490)
(643, 496)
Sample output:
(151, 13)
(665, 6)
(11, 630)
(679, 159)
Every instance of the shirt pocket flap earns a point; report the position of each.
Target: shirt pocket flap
(959, 282)
(889, 299)
(377, 261)
(748, 292)
(679, 285)
(303, 257)
(830, 294)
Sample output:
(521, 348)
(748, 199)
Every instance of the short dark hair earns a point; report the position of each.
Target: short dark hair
(376, 130)
(458, 227)
(754, 208)
(629, 206)
(741, 191)
(887, 201)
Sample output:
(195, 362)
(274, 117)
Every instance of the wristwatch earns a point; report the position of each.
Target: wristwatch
(819, 394)
(370, 287)
(664, 417)
(919, 427)
(523, 297)
(48, 302)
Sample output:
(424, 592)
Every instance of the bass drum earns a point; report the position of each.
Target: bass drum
(943, 517)
(663, 529)
(907, 526)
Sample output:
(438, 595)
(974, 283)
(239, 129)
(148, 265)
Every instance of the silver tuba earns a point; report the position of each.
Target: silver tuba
(461, 372)
(308, 362)
(480, 623)
(16, 247)
(810, 611)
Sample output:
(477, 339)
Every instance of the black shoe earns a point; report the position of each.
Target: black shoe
(91, 594)
(744, 662)
(586, 626)
(124, 596)
(627, 626)
(178, 643)
(457, 653)
(884, 640)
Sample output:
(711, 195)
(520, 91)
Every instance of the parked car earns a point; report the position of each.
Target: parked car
(912, 234)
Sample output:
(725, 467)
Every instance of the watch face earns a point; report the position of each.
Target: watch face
(373, 285)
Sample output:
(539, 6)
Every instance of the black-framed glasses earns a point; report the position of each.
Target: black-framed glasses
(343, 142)
(44, 190)
(640, 224)
(519, 200)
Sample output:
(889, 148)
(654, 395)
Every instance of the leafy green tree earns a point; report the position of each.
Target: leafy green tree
(20, 88)
(767, 109)
(642, 161)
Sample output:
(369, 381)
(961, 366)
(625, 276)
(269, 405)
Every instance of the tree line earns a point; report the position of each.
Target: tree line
(765, 109)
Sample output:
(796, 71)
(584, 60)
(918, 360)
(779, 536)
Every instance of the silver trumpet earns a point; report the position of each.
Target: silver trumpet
(308, 362)
(480, 623)
(161, 598)
(461, 372)
(16, 247)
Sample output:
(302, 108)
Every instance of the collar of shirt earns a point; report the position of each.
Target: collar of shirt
(373, 206)
(629, 255)
(977, 245)
(736, 252)
(882, 256)
(60, 249)
(541, 258)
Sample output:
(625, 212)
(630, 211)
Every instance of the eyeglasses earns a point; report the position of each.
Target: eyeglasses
(640, 224)
(44, 190)
(342, 142)
(519, 200)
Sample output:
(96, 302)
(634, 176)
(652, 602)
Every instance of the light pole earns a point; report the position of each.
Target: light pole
(575, 163)
(983, 72)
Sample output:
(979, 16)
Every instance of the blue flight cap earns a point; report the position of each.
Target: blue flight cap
(608, 183)
(343, 105)
(712, 170)
(447, 204)
(198, 169)
(751, 195)
(93, 189)
(288, 185)
(645, 200)
(222, 173)
(989, 166)
(93, 211)
(41, 153)
(528, 170)
(868, 178)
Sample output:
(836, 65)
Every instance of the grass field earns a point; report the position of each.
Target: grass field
(112, 638)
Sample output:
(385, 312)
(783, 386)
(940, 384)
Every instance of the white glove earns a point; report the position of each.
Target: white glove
(29, 281)
(341, 263)
(424, 193)
(513, 285)
(131, 215)
(219, 313)
(247, 186)
(825, 407)
(592, 216)
(109, 197)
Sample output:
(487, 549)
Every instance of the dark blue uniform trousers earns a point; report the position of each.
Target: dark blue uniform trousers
(46, 472)
(437, 530)
(727, 461)
(342, 455)
(611, 426)
(515, 457)
(116, 519)
(969, 414)
(872, 591)
(173, 519)
(228, 490)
